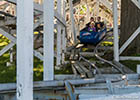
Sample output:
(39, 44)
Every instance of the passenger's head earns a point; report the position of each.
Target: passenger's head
(99, 19)
(92, 24)
(91, 19)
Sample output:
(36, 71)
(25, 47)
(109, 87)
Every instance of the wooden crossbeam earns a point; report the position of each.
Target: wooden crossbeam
(6, 48)
(134, 35)
(136, 2)
(129, 58)
(109, 86)
(106, 3)
(13, 39)
(39, 8)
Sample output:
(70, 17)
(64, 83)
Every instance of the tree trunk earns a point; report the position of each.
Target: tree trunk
(130, 21)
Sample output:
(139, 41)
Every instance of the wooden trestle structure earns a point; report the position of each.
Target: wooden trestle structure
(58, 22)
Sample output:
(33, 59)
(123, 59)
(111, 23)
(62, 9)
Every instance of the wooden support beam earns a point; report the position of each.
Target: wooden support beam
(59, 30)
(138, 69)
(6, 48)
(137, 3)
(70, 90)
(97, 7)
(109, 86)
(13, 39)
(72, 22)
(12, 86)
(39, 8)
(59, 48)
(64, 41)
(25, 50)
(48, 40)
(115, 30)
(129, 58)
(106, 3)
(126, 44)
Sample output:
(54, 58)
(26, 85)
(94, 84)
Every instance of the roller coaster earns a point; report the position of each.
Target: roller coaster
(94, 77)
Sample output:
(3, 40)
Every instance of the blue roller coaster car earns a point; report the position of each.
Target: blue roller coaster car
(91, 37)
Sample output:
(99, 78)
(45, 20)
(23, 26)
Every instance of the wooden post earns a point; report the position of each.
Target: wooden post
(64, 31)
(115, 31)
(59, 29)
(97, 7)
(24, 49)
(138, 69)
(88, 12)
(11, 55)
(48, 40)
(72, 21)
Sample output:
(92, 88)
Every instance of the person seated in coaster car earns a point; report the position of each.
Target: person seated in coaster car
(91, 27)
(99, 24)
(91, 20)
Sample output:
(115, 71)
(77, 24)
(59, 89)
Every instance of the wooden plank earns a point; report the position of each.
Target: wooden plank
(48, 40)
(80, 70)
(24, 50)
(74, 70)
(132, 37)
(59, 37)
(109, 86)
(90, 54)
(6, 48)
(59, 48)
(124, 96)
(66, 77)
(9, 36)
(39, 7)
(115, 30)
(137, 3)
(64, 41)
(70, 90)
(129, 58)
(88, 72)
(41, 84)
(138, 69)
(72, 21)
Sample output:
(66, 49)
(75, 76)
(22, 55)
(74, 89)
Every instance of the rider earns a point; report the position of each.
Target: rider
(91, 20)
(99, 25)
(92, 27)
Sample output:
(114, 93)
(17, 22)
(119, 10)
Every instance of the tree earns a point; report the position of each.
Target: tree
(130, 21)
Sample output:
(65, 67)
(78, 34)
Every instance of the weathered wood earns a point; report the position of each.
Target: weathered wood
(74, 70)
(66, 77)
(70, 90)
(130, 23)
(59, 48)
(24, 50)
(59, 37)
(72, 22)
(39, 8)
(88, 72)
(126, 96)
(48, 40)
(115, 30)
(80, 70)
(64, 39)
(109, 86)
(12, 86)
(6, 48)
(129, 58)
(138, 69)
